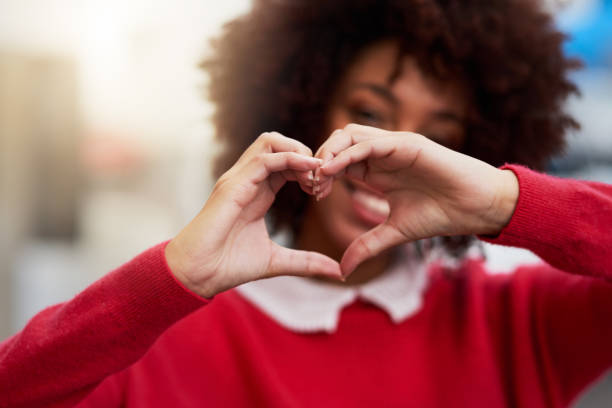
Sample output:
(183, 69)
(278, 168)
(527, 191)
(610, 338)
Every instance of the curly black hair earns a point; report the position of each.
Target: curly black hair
(277, 67)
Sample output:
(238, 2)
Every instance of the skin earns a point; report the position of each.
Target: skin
(430, 189)
(412, 102)
(227, 243)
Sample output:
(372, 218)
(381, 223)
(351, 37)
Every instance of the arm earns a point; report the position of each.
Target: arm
(561, 320)
(434, 191)
(67, 349)
(555, 323)
(431, 190)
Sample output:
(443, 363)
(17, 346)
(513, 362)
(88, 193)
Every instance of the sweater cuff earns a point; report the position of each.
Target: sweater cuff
(152, 295)
(169, 284)
(534, 219)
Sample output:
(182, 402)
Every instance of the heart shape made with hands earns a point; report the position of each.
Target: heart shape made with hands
(431, 190)
(336, 165)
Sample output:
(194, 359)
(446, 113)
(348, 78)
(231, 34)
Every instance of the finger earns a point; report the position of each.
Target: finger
(267, 163)
(308, 189)
(352, 134)
(354, 154)
(324, 189)
(285, 261)
(277, 181)
(304, 179)
(320, 178)
(397, 151)
(333, 135)
(369, 245)
(274, 142)
(356, 171)
(339, 140)
(336, 142)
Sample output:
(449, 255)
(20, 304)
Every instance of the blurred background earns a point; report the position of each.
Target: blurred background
(105, 141)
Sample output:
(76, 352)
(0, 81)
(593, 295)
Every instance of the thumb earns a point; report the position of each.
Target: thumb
(369, 245)
(285, 261)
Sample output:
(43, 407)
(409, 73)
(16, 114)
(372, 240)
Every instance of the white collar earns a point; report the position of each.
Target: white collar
(306, 305)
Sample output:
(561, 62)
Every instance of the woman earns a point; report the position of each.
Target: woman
(447, 91)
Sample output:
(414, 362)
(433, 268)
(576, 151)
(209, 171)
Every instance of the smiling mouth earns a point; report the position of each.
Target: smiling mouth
(370, 207)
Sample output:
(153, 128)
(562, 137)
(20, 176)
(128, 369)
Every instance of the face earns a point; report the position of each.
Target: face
(412, 102)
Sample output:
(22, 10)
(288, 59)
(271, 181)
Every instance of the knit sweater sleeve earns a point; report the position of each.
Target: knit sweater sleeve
(565, 222)
(556, 320)
(67, 349)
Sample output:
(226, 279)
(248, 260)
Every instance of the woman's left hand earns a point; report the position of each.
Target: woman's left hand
(431, 190)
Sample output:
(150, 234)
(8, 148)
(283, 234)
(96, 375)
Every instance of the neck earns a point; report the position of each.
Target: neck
(314, 237)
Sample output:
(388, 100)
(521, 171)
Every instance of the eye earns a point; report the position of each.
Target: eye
(368, 117)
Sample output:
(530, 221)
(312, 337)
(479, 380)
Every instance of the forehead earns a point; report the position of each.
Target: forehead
(377, 63)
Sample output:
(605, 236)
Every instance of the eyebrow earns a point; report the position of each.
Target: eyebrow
(380, 90)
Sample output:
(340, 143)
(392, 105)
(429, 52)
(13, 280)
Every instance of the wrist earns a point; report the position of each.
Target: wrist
(505, 202)
(179, 265)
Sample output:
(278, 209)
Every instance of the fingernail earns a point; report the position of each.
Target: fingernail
(310, 176)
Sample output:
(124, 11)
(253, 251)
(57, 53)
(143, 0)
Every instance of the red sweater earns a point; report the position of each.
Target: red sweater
(536, 337)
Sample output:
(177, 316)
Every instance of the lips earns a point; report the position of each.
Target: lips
(369, 206)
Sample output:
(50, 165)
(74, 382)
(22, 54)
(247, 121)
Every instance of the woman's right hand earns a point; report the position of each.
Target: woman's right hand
(227, 243)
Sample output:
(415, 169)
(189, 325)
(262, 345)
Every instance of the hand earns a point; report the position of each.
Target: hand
(227, 243)
(431, 190)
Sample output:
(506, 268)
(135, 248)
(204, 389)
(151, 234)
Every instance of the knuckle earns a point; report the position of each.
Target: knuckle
(344, 155)
(365, 248)
(351, 127)
(265, 137)
(274, 135)
(259, 160)
(284, 156)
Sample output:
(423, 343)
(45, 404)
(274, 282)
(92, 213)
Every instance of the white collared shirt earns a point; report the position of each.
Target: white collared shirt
(306, 305)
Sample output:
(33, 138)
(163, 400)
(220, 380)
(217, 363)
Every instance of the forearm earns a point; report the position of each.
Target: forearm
(66, 350)
(566, 222)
